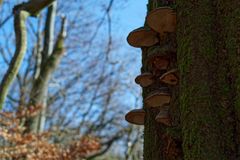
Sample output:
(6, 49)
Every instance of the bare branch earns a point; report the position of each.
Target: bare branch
(21, 12)
(33, 6)
(21, 46)
(5, 20)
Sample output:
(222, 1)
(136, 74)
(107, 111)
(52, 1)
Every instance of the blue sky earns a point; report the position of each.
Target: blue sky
(130, 17)
(133, 15)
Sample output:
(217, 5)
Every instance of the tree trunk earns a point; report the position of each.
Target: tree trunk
(161, 142)
(207, 56)
(40, 86)
(196, 56)
(208, 49)
(47, 51)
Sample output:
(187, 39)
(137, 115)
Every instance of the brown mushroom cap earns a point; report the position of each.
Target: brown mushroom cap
(158, 98)
(162, 19)
(163, 116)
(145, 79)
(136, 116)
(142, 37)
(170, 77)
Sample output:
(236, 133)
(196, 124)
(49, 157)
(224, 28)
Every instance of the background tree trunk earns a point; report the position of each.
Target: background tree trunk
(39, 121)
(40, 85)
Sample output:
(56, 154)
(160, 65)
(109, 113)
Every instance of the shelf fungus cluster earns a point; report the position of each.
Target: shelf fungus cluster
(160, 74)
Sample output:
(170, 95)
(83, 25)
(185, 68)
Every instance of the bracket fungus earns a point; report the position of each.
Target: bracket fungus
(163, 116)
(136, 116)
(158, 58)
(158, 98)
(142, 37)
(145, 79)
(162, 20)
(170, 77)
(158, 63)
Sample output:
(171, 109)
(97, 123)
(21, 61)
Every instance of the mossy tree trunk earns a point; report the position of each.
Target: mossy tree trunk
(161, 142)
(200, 116)
(208, 59)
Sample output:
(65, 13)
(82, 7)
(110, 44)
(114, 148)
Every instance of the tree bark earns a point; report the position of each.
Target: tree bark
(47, 50)
(208, 59)
(208, 49)
(228, 45)
(157, 137)
(40, 86)
(196, 52)
(34, 6)
(49, 32)
(21, 45)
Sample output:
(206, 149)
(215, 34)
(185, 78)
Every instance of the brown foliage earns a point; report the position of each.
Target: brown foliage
(17, 144)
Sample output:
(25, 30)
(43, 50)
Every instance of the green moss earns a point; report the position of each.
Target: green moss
(174, 132)
(196, 54)
(185, 58)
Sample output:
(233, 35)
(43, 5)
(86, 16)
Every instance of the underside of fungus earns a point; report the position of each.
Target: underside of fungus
(142, 37)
